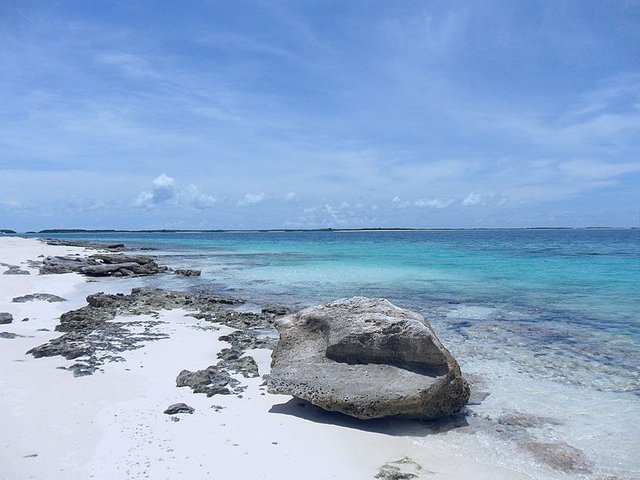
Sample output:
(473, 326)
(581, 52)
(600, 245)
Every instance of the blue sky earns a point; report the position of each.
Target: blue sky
(305, 114)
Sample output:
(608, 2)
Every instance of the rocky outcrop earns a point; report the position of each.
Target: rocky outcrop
(186, 272)
(91, 338)
(366, 358)
(211, 381)
(116, 247)
(48, 297)
(179, 408)
(16, 270)
(103, 265)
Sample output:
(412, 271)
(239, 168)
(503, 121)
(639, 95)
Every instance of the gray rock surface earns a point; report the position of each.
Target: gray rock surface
(103, 265)
(90, 337)
(5, 318)
(9, 335)
(368, 359)
(186, 272)
(179, 408)
(49, 297)
(211, 381)
(16, 270)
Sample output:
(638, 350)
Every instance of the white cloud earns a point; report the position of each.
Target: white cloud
(166, 191)
(472, 199)
(433, 202)
(251, 199)
(193, 196)
(291, 197)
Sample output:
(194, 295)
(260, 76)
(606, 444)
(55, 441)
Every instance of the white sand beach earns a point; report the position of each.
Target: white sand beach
(110, 425)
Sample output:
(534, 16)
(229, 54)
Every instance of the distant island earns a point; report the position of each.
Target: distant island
(328, 229)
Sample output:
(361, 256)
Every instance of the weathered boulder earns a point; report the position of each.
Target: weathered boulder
(5, 318)
(368, 359)
(179, 408)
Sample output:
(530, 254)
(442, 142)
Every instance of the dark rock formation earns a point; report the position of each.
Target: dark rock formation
(232, 360)
(366, 358)
(211, 381)
(179, 408)
(403, 469)
(9, 335)
(103, 265)
(5, 318)
(185, 272)
(39, 296)
(117, 247)
(16, 270)
(92, 339)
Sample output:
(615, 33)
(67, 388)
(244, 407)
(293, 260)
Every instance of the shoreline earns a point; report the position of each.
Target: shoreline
(119, 431)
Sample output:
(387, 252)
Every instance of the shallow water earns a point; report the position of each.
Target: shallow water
(548, 321)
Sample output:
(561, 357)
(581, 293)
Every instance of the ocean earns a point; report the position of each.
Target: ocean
(545, 323)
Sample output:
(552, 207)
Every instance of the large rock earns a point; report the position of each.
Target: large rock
(366, 358)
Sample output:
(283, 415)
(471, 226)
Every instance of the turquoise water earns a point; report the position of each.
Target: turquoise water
(556, 312)
(563, 285)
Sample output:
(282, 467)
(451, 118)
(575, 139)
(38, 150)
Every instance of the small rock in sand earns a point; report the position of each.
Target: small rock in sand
(5, 318)
(403, 469)
(15, 270)
(39, 296)
(9, 335)
(179, 408)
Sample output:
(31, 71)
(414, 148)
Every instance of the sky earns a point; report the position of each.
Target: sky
(313, 114)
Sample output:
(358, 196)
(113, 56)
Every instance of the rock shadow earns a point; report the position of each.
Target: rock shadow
(392, 426)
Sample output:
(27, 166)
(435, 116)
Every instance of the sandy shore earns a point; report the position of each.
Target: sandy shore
(110, 425)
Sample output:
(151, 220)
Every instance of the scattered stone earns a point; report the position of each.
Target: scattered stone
(525, 420)
(368, 359)
(211, 381)
(33, 455)
(16, 270)
(26, 319)
(175, 419)
(559, 456)
(231, 360)
(403, 469)
(90, 335)
(39, 296)
(9, 335)
(179, 408)
(5, 318)
(185, 272)
(276, 310)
